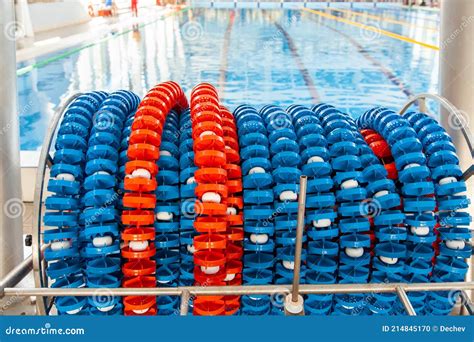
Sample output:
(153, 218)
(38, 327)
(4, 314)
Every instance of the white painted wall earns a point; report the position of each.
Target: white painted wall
(47, 16)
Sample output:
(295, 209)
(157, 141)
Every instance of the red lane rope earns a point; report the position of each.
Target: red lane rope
(382, 150)
(212, 191)
(140, 201)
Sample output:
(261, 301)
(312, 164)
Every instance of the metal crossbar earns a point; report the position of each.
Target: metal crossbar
(188, 292)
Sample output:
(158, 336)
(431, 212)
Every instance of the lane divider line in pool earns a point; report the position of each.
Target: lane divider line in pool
(378, 17)
(415, 8)
(225, 54)
(415, 17)
(373, 29)
(308, 80)
(391, 77)
(408, 10)
(42, 63)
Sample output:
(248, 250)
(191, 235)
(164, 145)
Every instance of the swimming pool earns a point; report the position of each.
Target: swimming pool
(255, 56)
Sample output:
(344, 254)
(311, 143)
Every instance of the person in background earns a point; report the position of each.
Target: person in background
(134, 8)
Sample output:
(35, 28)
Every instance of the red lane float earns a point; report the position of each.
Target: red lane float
(381, 149)
(140, 201)
(211, 198)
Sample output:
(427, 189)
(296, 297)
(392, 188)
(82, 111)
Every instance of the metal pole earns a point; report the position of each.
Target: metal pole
(299, 239)
(466, 303)
(184, 307)
(457, 69)
(294, 303)
(11, 204)
(405, 301)
(457, 74)
(241, 290)
(18, 273)
(24, 18)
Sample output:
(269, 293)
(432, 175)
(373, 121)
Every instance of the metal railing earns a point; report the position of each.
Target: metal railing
(46, 294)
(452, 110)
(282, 3)
(45, 161)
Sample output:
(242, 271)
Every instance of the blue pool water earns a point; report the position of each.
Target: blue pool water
(253, 56)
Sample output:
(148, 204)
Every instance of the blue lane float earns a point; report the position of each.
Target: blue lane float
(286, 161)
(322, 233)
(64, 206)
(354, 243)
(453, 222)
(188, 200)
(101, 198)
(416, 191)
(387, 220)
(259, 226)
(167, 211)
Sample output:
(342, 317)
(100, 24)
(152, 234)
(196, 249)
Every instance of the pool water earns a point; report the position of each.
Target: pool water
(253, 56)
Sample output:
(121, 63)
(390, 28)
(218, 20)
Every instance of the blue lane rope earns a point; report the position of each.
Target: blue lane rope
(101, 213)
(322, 247)
(450, 188)
(382, 208)
(188, 199)
(351, 195)
(259, 226)
(416, 190)
(286, 162)
(64, 206)
(167, 212)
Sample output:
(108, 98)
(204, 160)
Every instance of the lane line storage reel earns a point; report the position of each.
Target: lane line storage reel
(162, 193)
